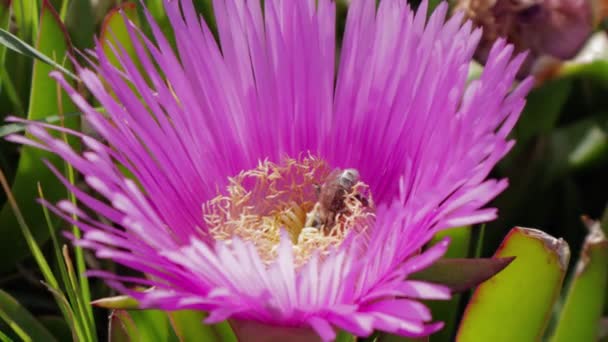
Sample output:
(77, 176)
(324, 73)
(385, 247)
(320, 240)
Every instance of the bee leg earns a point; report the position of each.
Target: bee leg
(363, 200)
(317, 190)
(313, 219)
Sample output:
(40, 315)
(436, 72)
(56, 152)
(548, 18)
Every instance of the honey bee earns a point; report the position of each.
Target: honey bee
(330, 198)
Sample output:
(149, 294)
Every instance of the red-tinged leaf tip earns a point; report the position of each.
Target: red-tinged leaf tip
(555, 245)
(124, 7)
(594, 239)
(47, 7)
(462, 274)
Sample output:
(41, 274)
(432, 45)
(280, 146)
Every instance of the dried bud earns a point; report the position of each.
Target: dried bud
(554, 28)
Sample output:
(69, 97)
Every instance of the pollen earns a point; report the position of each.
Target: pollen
(304, 197)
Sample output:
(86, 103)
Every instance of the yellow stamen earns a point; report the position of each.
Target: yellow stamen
(260, 202)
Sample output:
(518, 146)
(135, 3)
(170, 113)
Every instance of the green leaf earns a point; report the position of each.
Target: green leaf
(157, 10)
(595, 70)
(345, 337)
(543, 107)
(46, 99)
(6, 84)
(593, 146)
(21, 321)
(115, 35)
(142, 325)
(581, 313)
(58, 327)
(14, 43)
(4, 337)
(80, 22)
(462, 274)
(515, 305)
(184, 325)
(188, 326)
(26, 17)
(460, 240)
(205, 7)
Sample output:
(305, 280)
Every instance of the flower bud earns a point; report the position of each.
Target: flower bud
(545, 28)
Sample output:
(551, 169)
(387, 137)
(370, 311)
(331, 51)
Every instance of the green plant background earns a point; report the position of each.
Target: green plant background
(557, 171)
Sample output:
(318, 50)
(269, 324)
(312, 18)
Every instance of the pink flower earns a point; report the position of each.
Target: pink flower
(233, 207)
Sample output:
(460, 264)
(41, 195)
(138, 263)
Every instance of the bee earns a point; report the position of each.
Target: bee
(330, 198)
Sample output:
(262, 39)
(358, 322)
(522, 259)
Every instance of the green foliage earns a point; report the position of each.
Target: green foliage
(78, 20)
(115, 35)
(516, 304)
(557, 172)
(45, 99)
(11, 41)
(582, 310)
(23, 324)
(154, 325)
(26, 17)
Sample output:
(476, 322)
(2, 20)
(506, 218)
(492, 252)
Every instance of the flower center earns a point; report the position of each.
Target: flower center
(316, 206)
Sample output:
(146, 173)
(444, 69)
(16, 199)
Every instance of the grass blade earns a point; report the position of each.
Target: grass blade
(6, 84)
(14, 43)
(31, 169)
(582, 311)
(21, 321)
(13, 128)
(26, 17)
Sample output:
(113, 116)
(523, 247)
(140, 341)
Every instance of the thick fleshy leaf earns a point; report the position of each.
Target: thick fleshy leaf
(516, 304)
(581, 313)
(45, 99)
(461, 274)
(21, 321)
